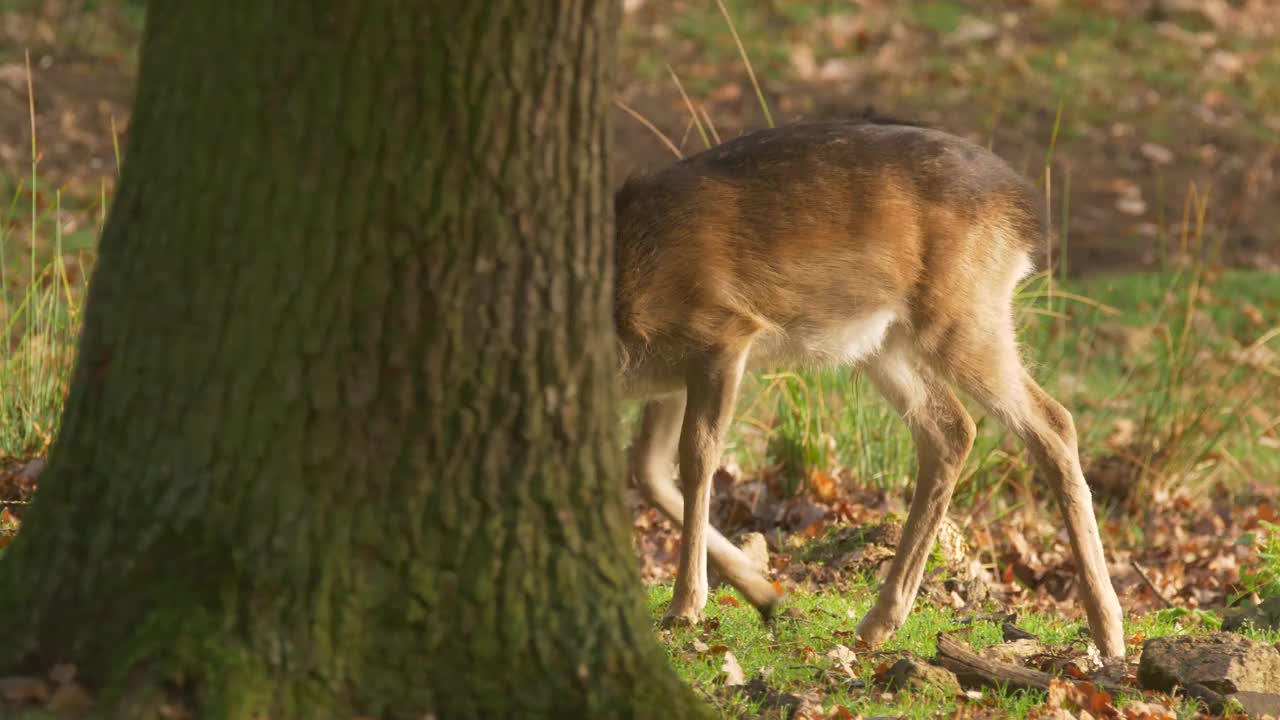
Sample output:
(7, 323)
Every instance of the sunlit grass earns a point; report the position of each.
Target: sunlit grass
(791, 654)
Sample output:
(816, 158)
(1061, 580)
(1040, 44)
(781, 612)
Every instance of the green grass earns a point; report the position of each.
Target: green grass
(1263, 575)
(40, 305)
(790, 653)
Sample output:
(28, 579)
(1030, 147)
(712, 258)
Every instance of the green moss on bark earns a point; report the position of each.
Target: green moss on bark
(341, 439)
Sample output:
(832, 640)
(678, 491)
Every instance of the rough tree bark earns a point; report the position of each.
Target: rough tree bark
(342, 436)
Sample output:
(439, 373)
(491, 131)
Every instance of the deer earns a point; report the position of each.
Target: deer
(884, 246)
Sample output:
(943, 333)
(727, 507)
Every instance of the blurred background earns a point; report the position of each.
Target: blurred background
(1154, 96)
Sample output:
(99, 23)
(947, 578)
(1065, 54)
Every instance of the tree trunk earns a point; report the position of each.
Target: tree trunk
(342, 437)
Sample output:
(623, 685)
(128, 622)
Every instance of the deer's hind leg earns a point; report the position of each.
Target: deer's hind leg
(652, 457)
(711, 389)
(987, 366)
(943, 433)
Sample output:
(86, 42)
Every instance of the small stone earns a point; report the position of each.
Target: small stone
(1225, 663)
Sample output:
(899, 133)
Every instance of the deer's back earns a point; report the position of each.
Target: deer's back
(810, 237)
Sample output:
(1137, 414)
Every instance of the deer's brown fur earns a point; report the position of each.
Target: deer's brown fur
(867, 243)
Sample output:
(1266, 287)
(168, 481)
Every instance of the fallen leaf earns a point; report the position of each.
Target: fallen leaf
(840, 712)
(727, 93)
(1131, 205)
(844, 29)
(732, 670)
(1228, 62)
(823, 485)
(972, 30)
(843, 658)
(803, 62)
(1157, 154)
(809, 707)
(1252, 313)
(814, 529)
(839, 69)
(1096, 700)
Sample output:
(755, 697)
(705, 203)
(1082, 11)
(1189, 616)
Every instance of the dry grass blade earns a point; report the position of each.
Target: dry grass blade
(1101, 307)
(645, 121)
(1266, 337)
(1146, 580)
(711, 127)
(751, 72)
(693, 113)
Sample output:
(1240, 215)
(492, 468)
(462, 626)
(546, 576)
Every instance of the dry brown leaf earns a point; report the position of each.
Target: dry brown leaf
(727, 93)
(843, 658)
(840, 712)
(732, 670)
(1157, 154)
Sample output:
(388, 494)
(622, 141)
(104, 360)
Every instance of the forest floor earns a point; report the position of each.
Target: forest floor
(1159, 126)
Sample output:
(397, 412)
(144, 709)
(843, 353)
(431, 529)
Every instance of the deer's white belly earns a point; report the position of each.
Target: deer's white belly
(848, 343)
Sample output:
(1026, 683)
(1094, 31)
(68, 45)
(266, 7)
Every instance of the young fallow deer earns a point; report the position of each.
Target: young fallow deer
(873, 243)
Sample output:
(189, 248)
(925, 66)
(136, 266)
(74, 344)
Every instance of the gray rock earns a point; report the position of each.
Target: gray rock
(1224, 663)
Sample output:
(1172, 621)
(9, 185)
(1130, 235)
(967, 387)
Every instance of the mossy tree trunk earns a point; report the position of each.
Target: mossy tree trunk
(342, 436)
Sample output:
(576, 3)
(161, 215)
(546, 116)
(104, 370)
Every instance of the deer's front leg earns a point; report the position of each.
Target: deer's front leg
(712, 387)
(943, 434)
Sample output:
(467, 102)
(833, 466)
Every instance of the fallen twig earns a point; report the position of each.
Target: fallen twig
(974, 670)
(1151, 585)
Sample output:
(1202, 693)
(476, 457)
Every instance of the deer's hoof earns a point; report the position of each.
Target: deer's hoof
(876, 628)
(682, 617)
